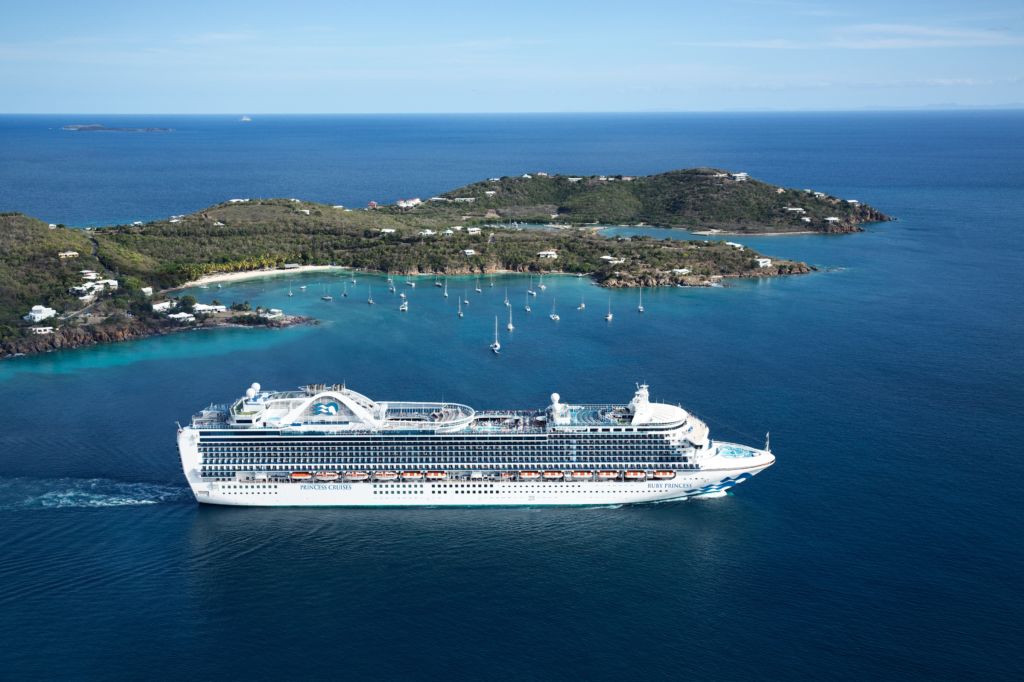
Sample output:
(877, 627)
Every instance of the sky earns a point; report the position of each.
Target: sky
(383, 56)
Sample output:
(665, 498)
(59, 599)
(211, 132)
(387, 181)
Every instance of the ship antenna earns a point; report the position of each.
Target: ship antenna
(768, 441)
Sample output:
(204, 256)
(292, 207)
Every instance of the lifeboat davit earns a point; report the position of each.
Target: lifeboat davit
(552, 475)
(664, 474)
(411, 475)
(607, 475)
(301, 475)
(634, 475)
(356, 475)
(437, 475)
(582, 475)
(529, 475)
(386, 475)
(327, 475)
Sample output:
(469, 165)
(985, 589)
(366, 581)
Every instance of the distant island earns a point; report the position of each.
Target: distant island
(97, 285)
(98, 128)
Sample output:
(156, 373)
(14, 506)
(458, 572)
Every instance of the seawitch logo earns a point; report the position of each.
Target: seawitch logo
(326, 408)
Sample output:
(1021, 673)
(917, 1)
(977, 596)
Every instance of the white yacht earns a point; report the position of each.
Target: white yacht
(496, 346)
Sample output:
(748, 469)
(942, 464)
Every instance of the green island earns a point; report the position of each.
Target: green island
(67, 287)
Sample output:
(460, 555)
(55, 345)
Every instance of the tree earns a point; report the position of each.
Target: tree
(186, 303)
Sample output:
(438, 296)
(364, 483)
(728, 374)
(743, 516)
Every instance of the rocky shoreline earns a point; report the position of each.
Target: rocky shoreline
(67, 338)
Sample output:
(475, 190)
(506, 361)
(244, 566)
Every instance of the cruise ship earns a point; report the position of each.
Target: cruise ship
(331, 446)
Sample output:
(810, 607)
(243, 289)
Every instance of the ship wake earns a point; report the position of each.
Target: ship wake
(84, 493)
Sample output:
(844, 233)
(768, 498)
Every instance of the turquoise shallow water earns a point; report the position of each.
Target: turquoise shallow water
(883, 542)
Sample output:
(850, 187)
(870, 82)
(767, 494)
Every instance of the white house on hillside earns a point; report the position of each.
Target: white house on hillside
(39, 313)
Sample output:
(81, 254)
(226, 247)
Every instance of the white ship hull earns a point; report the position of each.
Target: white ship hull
(713, 479)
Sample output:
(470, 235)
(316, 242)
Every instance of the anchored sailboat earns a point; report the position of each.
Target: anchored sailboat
(609, 315)
(640, 308)
(496, 346)
(554, 316)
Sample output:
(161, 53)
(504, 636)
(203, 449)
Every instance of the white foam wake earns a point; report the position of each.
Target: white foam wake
(81, 493)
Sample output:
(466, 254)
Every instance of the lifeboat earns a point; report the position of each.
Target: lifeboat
(300, 476)
(356, 475)
(664, 474)
(634, 475)
(607, 475)
(386, 475)
(411, 475)
(582, 475)
(437, 475)
(552, 475)
(506, 475)
(529, 475)
(327, 475)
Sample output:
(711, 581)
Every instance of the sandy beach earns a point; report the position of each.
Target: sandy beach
(220, 277)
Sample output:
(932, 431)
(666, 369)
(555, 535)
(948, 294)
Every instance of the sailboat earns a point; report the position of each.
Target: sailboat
(640, 308)
(507, 304)
(344, 291)
(554, 316)
(527, 306)
(478, 289)
(353, 279)
(460, 307)
(402, 295)
(437, 282)
(404, 308)
(609, 315)
(530, 291)
(509, 325)
(369, 295)
(290, 294)
(541, 285)
(446, 287)
(465, 297)
(496, 346)
(327, 295)
(491, 284)
(302, 288)
(582, 305)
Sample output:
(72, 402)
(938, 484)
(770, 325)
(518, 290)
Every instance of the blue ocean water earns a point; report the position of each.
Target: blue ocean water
(886, 540)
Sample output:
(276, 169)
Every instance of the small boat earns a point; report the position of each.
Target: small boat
(402, 295)
(554, 316)
(529, 475)
(527, 307)
(326, 297)
(410, 283)
(411, 475)
(664, 474)
(369, 295)
(553, 475)
(465, 298)
(404, 308)
(582, 305)
(582, 475)
(496, 346)
(220, 286)
(290, 293)
(478, 289)
(302, 288)
(505, 475)
(541, 284)
(607, 475)
(634, 475)
(507, 304)
(300, 476)
(356, 475)
(437, 475)
(353, 280)
(609, 315)
(509, 325)
(640, 308)
(491, 283)
(437, 283)
(530, 291)
(446, 287)
(327, 475)
(344, 290)
(460, 308)
(385, 475)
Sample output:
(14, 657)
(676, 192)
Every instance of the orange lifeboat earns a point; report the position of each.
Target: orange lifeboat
(437, 475)
(607, 475)
(356, 475)
(529, 475)
(634, 475)
(300, 475)
(411, 475)
(582, 475)
(552, 475)
(506, 475)
(386, 475)
(327, 475)
(664, 474)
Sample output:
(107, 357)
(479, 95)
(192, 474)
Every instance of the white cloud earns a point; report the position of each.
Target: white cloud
(876, 37)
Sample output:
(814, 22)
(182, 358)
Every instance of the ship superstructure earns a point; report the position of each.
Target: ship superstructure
(329, 445)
